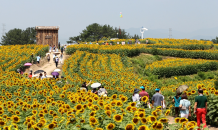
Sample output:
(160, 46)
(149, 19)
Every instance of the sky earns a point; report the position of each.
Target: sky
(188, 17)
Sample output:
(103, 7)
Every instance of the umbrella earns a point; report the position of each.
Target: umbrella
(49, 76)
(39, 71)
(27, 64)
(181, 88)
(34, 76)
(57, 70)
(55, 73)
(96, 85)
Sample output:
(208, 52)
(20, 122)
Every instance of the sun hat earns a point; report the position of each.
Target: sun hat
(136, 90)
(142, 87)
(157, 89)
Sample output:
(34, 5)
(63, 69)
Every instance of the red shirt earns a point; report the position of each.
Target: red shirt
(143, 93)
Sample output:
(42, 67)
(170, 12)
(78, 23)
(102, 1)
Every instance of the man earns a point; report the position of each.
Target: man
(62, 50)
(200, 108)
(142, 94)
(157, 99)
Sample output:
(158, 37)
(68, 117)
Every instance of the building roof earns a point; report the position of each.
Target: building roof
(47, 27)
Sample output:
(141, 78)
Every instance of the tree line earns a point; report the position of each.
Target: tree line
(95, 31)
(19, 37)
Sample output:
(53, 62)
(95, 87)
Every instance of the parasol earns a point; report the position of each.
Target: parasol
(27, 64)
(181, 88)
(57, 70)
(39, 71)
(55, 73)
(96, 85)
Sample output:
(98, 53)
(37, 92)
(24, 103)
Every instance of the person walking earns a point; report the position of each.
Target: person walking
(38, 59)
(135, 97)
(185, 106)
(142, 94)
(164, 102)
(62, 50)
(40, 76)
(56, 61)
(54, 57)
(61, 58)
(157, 99)
(176, 100)
(48, 58)
(200, 108)
(50, 48)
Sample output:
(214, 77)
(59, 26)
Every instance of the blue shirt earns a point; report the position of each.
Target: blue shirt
(185, 103)
(177, 101)
(38, 58)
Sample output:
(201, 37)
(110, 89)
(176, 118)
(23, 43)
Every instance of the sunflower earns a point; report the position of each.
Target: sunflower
(144, 99)
(167, 112)
(2, 123)
(123, 99)
(34, 112)
(177, 120)
(216, 93)
(110, 126)
(129, 108)
(141, 115)
(15, 119)
(78, 107)
(51, 126)
(114, 96)
(129, 127)
(154, 113)
(118, 118)
(92, 113)
(191, 124)
(159, 126)
(152, 118)
(144, 120)
(133, 104)
(108, 113)
(93, 120)
(163, 120)
(135, 120)
(143, 127)
(182, 120)
(98, 129)
(113, 103)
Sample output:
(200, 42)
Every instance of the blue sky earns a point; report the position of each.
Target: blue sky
(185, 16)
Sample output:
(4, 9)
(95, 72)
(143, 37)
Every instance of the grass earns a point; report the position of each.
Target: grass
(139, 63)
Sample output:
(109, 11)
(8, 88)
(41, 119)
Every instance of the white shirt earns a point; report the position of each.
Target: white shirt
(136, 99)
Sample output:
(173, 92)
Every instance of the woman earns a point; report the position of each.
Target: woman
(95, 91)
(176, 100)
(56, 61)
(185, 106)
(135, 97)
(48, 58)
(85, 86)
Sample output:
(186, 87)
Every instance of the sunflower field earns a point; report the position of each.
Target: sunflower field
(13, 57)
(180, 66)
(191, 92)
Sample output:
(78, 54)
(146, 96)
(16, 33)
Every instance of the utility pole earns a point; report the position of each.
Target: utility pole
(3, 29)
(170, 33)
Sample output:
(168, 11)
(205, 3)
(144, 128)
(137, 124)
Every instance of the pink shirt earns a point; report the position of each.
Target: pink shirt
(143, 93)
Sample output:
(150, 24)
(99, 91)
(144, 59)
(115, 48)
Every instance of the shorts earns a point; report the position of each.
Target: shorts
(184, 115)
(38, 62)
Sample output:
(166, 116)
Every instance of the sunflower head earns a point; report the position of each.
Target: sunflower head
(143, 127)
(118, 118)
(129, 127)
(110, 126)
(135, 120)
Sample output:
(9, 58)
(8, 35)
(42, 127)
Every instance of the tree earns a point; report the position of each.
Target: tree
(18, 36)
(95, 32)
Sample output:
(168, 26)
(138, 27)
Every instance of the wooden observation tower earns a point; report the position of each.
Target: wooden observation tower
(47, 35)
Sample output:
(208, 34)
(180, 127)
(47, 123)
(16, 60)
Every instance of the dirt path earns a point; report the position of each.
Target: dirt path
(48, 67)
(172, 121)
